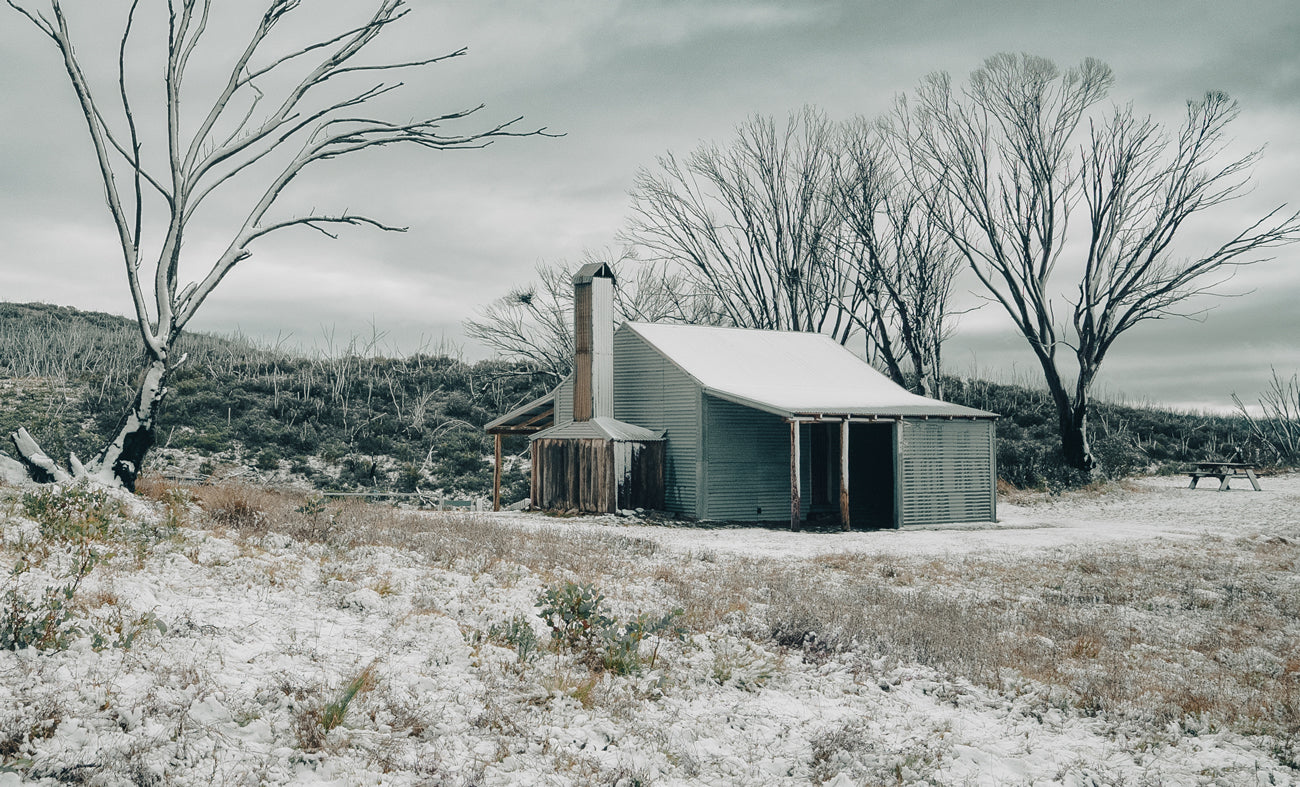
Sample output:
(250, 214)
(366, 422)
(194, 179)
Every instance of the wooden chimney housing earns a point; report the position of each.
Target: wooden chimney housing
(596, 463)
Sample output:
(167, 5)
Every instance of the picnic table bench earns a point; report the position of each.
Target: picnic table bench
(1224, 471)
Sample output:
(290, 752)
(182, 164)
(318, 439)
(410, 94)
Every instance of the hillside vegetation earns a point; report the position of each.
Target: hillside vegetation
(355, 419)
(352, 419)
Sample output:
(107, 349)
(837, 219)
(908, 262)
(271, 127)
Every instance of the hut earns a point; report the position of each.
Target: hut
(740, 424)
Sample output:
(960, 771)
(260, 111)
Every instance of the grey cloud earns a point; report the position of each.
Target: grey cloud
(626, 82)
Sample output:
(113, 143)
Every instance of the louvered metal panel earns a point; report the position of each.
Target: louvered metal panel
(651, 392)
(947, 472)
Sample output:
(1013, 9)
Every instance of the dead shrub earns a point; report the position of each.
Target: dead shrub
(1085, 646)
(244, 508)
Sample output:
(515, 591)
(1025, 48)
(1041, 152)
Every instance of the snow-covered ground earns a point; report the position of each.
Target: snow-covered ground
(1164, 507)
(264, 632)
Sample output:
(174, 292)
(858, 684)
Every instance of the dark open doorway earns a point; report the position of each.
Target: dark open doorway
(871, 474)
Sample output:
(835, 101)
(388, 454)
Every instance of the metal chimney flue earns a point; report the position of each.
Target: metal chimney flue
(593, 342)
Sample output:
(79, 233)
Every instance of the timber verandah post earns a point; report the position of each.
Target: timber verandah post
(795, 486)
(794, 474)
(496, 476)
(845, 523)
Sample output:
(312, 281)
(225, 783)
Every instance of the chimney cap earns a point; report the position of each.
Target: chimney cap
(591, 271)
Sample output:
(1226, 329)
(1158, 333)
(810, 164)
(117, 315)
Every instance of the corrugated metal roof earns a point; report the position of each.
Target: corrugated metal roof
(600, 428)
(788, 373)
(538, 413)
(591, 270)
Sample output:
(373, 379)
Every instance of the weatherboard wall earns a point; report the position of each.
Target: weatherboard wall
(650, 391)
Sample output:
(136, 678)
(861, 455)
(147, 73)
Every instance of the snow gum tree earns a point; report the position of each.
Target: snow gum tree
(1032, 171)
(272, 119)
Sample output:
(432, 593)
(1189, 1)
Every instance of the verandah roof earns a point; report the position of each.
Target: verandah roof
(527, 418)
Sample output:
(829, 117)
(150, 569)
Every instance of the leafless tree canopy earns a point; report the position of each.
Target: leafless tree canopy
(533, 324)
(271, 102)
(904, 264)
(1278, 424)
(1024, 162)
(754, 224)
(806, 227)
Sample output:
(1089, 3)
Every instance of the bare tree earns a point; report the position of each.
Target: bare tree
(905, 263)
(753, 224)
(243, 132)
(1017, 156)
(533, 324)
(1278, 425)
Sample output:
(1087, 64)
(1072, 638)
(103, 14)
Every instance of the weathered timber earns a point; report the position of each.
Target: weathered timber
(582, 357)
(794, 475)
(598, 476)
(845, 521)
(496, 475)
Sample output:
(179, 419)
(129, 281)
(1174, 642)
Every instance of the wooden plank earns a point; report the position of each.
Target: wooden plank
(534, 488)
(496, 476)
(794, 475)
(845, 523)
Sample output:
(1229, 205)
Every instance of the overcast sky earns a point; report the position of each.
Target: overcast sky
(625, 82)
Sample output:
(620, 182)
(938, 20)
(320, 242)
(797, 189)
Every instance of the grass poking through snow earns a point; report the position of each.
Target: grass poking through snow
(240, 634)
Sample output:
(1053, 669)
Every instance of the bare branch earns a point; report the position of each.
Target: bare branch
(196, 166)
(1003, 157)
(42, 24)
(315, 223)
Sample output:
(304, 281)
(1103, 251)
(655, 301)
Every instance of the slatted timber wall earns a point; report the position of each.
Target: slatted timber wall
(571, 474)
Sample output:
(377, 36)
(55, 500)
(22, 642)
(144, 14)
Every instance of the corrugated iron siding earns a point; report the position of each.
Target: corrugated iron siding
(651, 392)
(946, 471)
(747, 458)
(564, 402)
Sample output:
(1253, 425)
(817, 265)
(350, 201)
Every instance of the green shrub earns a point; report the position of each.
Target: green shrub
(573, 613)
(622, 654)
(46, 623)
(517, 633)
(75, 513)
(268, 459)
(409, 477)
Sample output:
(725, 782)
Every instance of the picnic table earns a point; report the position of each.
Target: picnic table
(1224, 471)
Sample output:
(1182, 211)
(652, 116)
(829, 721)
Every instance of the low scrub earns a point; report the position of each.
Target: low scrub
(349, 639)
(575, 614)
(79, 528)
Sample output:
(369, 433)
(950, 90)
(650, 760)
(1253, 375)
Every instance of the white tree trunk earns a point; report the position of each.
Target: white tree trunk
(121, 460)
(119, 463)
